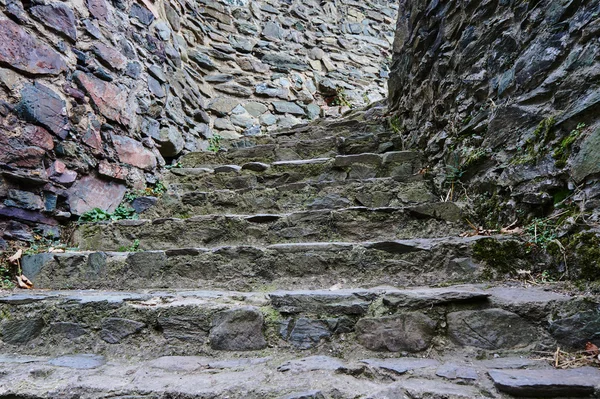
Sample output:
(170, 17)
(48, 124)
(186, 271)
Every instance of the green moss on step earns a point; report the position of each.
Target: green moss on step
(501, 257)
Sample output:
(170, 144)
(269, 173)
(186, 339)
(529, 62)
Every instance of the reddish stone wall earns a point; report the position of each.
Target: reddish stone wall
(97, 95)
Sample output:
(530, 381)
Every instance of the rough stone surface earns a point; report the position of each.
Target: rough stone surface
(91, 192)
(82, 361)
(42, 106)
(24, 52)
(537, 140)
(491, 329)
(58, 17)
(238, 330)
(114, 330)
(547, 383)
(110, 100)
(132, 152)
(21, 331)
(411, 332)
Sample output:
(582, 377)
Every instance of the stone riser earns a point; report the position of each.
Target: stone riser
(322, 225)
(284, 266)
(185, 200)
(195, 322)
(403, 166)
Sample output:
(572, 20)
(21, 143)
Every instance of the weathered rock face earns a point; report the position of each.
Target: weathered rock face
(95, 95)
(503, 95)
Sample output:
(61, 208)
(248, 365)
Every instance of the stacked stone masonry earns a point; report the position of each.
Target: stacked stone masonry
(96, 96)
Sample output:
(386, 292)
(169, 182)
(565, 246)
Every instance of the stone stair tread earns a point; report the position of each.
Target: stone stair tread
(581, 382)
(338, 160)
(281, 375)
(394, 296)
(308, 264)
(192, 198)
(424, 220)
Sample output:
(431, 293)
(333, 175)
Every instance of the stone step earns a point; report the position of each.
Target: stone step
(283, 147)
(275, 375)
(187, 199)
(294, 265)
(347, 224)
(367, 323)
(402, 165)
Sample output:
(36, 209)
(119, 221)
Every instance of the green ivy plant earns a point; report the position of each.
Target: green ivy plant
(214, 143)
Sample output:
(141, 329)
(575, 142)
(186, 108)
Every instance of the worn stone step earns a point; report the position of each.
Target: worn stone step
(285, 147)
(365, 323)
(290, 265)
(187, 199)
(348, 224)
(402, 165)
(267, 374)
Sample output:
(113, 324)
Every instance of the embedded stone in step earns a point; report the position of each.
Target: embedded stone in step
(575, 330)
(115, 329)
(191, 171)
(312, 363)
(227, 169)
(21, 331)
(22, 299)
(256, 166)
(396, 157)
(238, 330)
(401, 365)
(263, 218)
(491, 329)
(440, 210)
(424, 297)
(514, 363)
(342, 302)
(410, 332)
(305, 333)
(454, 371)
(79, 361)
(348, 160)
(311, 246)
(299, 162)
(427, 388)
(547, 383)
(195, 363)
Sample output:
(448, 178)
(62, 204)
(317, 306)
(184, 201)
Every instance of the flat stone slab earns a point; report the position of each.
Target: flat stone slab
(82, 361)
(401, 365)
(513, 363)
(547, 383)
(432, 296)
(453, 371)
(311, 363)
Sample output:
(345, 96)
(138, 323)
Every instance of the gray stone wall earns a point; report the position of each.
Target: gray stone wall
(97, 95)
(505, 97)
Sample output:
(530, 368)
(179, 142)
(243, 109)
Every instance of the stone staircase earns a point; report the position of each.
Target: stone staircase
(313, 263)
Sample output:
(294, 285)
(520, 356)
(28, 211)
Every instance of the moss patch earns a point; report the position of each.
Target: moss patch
(582, 254)
(501, 257)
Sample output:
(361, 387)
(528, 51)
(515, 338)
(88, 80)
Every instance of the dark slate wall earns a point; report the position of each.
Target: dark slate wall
(492, 90)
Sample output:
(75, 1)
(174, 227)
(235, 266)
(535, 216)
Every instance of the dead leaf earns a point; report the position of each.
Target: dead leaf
(24, 282)
(15, 258)
(592, 349)
(56, 250)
